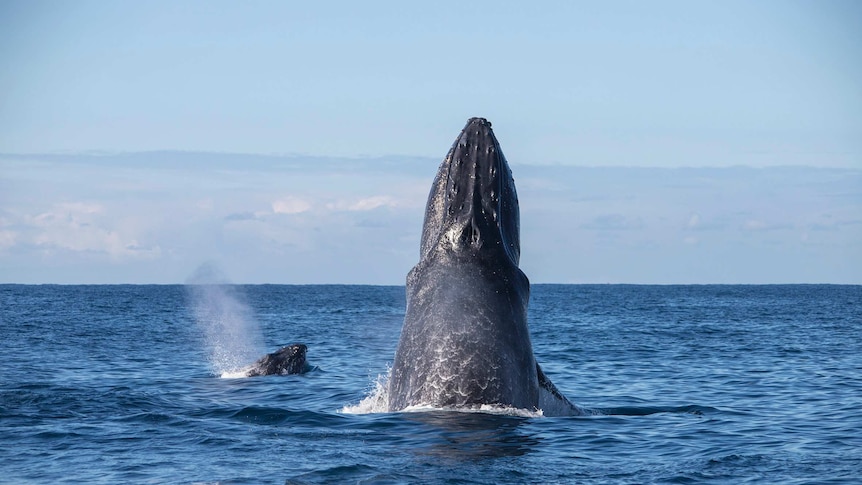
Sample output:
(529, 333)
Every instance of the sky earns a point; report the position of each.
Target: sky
(295, 142)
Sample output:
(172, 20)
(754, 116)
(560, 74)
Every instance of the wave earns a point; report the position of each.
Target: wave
(648, 410)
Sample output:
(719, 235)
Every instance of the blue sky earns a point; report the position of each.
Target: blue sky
(295, 142)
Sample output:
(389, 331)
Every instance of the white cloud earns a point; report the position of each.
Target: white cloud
(78, 227)
(364, 204)
(306, 221)
(693, 221)
(243, 216)
(371, 203)
(8, 239)
(754, 225)
(73, 208)
(290, 205)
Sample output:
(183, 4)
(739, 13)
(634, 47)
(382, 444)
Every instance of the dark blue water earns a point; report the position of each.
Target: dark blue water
(700, 384)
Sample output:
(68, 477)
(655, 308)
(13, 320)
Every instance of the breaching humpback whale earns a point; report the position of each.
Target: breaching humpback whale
(465, 341)
(286, 360)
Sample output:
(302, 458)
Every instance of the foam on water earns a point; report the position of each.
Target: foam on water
(234, 374)
(482, 408)
(377, 401)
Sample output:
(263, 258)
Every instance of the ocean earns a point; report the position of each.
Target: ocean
(695, 384)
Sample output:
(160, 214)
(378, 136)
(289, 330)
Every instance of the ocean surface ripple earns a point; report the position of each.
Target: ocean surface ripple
(695, 384)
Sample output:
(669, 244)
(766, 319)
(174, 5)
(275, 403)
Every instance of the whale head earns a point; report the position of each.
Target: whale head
(293, 351)
(473, 205)
(289, 359)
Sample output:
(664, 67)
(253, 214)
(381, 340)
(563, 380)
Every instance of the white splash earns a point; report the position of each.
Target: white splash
(235, 374)
(479, 408)
(377, 401)
(232, 335)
